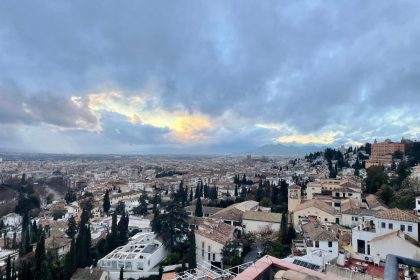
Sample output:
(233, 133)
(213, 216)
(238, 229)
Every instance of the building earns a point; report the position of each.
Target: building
(314, 209)
(402, 245)
(417, 209)
(385, 222)
(211, 236)
(59, 245)
(90, 274)
(255, 221)
(142, 253)
(293, 197)
(331, 186)
(382, 153)
(321, 243)
(12, 220)
(232, 214)
(269, 267)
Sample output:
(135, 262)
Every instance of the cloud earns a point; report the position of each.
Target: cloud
(45, 108)
(216, 74)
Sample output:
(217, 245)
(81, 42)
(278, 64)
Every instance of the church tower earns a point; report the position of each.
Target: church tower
(293, 197)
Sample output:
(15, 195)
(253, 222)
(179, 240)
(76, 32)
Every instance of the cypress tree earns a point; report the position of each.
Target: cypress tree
(191, 195)
(122, 273)
(197, 191)
(39, 256)
(70, 261)
(72, 227)
(283, 229)
(192, 261)
(106, 203)
(236, 190)
(198, 208)
(8, 268)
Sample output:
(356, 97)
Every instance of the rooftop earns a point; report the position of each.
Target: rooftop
(262, 216)
(397, 215)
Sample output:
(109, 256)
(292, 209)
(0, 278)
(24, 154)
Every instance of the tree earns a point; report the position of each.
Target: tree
(191, 194)
(236, 191)
(84, 242)
(231, 254)
(123, 229)
(376, 177)
(72, 227)
(39, 257)
(386, 193)
(34, 232)
(265, 202)
(198, 208)
(192, 261)
(8, 268)
(106, 202)
(70, 196)
(120, 209)
(142, 208)
(403, 171)
(112, 237)
(70, 261)
(173, 226)
(122, 273)
(283, 230)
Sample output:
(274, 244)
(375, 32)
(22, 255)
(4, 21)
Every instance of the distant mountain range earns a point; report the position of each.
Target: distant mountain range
(285, 150)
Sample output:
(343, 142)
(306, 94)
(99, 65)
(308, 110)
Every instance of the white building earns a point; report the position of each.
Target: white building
(320, 241)
(417, 209)
(142, 253)
(255, 221)
(12, 220)
(211, 236)
(386, 222)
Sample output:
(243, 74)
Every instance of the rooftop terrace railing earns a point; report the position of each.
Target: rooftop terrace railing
(392, 265)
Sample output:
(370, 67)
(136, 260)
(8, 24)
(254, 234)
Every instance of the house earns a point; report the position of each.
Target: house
(417, 209)
(207, 211)
(12, 220)
(232, 214)
(254, 221)
(373, 203)
(317, 209)
(211, 236)
(59, 245)
(385, 222)
(90, 274)
(402, 245)
(138, 257)
(320, 241)
(396, 219)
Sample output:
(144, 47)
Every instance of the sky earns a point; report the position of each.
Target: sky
(206, 76)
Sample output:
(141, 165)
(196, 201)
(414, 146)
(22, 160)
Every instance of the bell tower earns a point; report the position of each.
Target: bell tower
(293, 197)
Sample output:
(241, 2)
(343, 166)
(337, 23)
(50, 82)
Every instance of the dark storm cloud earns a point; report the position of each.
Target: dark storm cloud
(44, 108)
(313, 65)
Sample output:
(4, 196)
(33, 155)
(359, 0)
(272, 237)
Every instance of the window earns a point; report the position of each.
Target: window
(330, 244)
(336, 204)
(368, 249)
(317, 244)
(350, 194)
(410, 228)
(390, 226)
(202, 249)
(402, 227)
(361, 246)
(337, 194)
(208, 253)
(382, 225)
(214, 257)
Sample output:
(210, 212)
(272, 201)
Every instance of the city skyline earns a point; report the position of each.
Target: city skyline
(200, 77)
